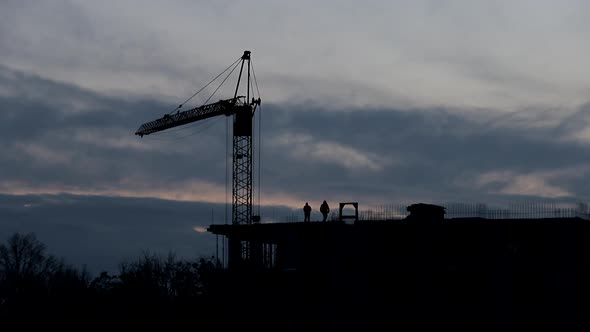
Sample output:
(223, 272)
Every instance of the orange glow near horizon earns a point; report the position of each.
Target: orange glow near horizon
(191, 192)
(194, 191)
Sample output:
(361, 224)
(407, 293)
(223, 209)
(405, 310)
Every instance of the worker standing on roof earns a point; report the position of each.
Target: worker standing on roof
(306, 212)
(325, 209)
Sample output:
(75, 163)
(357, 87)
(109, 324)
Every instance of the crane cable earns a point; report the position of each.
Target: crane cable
(259, 130)
(256, 152)
(206, 124)
(226, 165)
(255, 81)
(235, 64)
(220, 84)
(226, 185)
(203, 88)
(201, 129)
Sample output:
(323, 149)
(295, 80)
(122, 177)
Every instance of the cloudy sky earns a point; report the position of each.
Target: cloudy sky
(388, 101)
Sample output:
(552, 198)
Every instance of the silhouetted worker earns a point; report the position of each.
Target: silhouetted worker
(325, 209)
(306, 211)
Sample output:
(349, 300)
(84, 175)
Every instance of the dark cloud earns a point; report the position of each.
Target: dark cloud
(433, 151)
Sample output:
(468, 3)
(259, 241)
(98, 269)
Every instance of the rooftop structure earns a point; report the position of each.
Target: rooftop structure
(310, 246)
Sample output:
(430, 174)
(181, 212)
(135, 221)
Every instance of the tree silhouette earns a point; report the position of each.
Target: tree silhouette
(148, 293)
(24, 257)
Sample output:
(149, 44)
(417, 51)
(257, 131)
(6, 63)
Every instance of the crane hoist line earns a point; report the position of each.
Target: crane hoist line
(242, 109)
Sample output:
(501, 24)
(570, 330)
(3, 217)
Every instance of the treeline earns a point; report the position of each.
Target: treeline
(37, 290)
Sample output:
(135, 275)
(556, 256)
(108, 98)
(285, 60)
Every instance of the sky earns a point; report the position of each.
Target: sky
(384, 102)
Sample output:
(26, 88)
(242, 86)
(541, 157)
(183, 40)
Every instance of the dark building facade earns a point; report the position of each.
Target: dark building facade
(422, 273)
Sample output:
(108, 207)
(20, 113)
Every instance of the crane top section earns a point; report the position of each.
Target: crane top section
(238, 105)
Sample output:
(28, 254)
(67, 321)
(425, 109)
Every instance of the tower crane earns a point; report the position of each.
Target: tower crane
(242, 109)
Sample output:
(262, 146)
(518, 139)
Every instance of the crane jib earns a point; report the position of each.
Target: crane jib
(223, 107)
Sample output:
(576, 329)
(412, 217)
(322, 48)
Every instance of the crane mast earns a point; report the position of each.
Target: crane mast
(242, 109)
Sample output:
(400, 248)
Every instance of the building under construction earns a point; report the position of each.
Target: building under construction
(419, 273)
